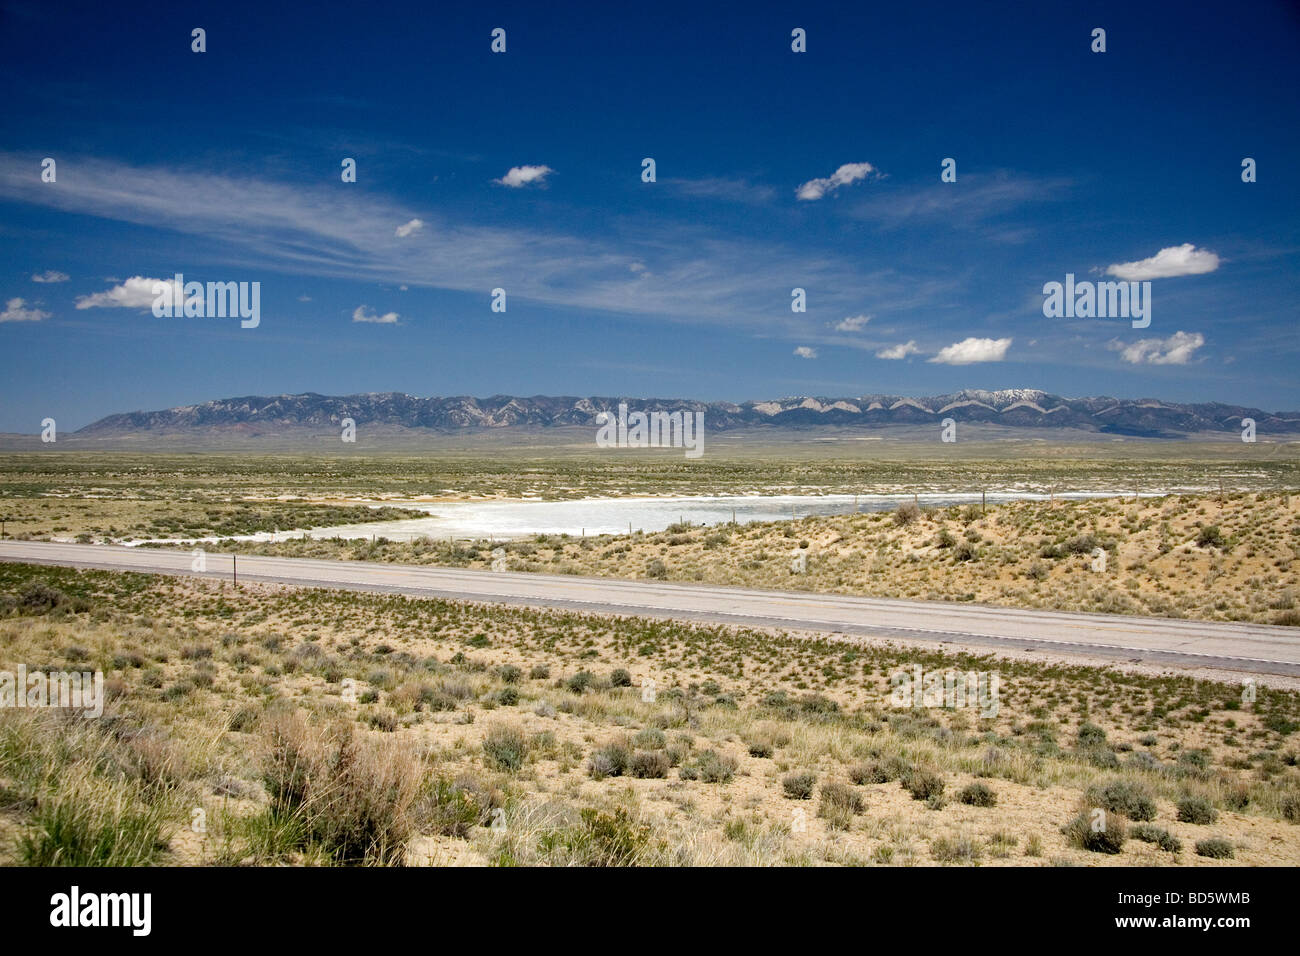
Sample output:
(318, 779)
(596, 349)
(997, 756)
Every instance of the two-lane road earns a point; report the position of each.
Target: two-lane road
(1257, 648)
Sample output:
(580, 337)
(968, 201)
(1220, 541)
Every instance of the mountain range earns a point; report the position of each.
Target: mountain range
(1016, 408)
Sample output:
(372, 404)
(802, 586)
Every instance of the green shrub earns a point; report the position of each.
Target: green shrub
(923, 783)
(652, 738)
(1215, 848)
(1126, 797)
(1149, 833)
(799, 786)
(1198, 810)
(649, 764)
(506, 748)
(611, 760)
(839, 797)
(1109, 839)
(978, 795)
(1090, 735)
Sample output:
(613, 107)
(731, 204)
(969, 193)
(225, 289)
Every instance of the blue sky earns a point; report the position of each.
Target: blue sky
(225, 166)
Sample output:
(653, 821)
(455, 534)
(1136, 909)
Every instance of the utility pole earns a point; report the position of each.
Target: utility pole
(234, 568)
(984, 495)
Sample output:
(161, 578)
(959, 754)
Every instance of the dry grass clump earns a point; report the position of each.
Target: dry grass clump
(351, 799)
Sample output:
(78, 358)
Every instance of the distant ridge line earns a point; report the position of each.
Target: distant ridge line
(1014, 407)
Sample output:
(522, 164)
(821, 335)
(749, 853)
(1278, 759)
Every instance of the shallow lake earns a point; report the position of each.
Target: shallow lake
(595, 516)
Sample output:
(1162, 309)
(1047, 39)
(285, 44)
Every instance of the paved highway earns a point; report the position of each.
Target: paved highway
(1256, 648)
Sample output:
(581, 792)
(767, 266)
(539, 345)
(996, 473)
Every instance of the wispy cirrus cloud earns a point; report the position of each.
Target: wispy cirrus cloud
(981, 202)
(667, 270)
(722, 188)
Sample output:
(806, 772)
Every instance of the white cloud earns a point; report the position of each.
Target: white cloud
(1179, 349)
(307, 231)
(135, 293)
(853, 323)
(971, 350)
(1184, 260)
(519, 176)
(415, 225)
(804, 351)
(16, 311)
(50, 275)
(846, 174)
(304, 298)
(898, 351)
(359, 314)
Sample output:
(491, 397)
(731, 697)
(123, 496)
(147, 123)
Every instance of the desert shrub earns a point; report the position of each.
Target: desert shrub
(620, 678)
(579, 682)
(1211, 536)
(1090, 735)
(539, 672)
(978, 795)
(1108, 839)
(955, 850)
(606, 839)
(1149, 833)
(1193, 809)
(839, 796)
(710, 767)
(651, 764)
(506, 748)
(922, 783)
(37, 598)
(965, 552)
(799, 786)
(652, 738)
(906, 513)
(1126, 797)
(1290, 807)
(353, 800)
(611, 760)
(455, 808)
(1215, 848)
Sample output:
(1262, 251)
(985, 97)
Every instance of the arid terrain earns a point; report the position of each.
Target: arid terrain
(1235, 558)
(272, 725)
(266, 724)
